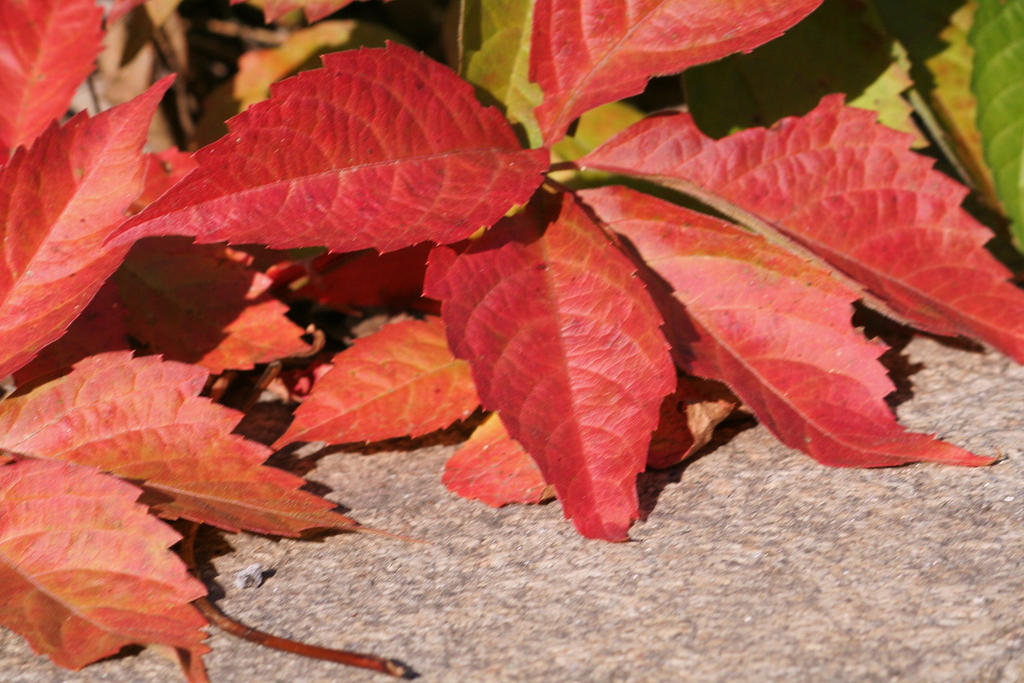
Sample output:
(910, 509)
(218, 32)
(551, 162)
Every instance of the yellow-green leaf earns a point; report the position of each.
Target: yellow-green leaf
(496, 58)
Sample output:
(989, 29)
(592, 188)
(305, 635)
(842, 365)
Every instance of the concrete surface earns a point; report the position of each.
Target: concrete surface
(755, 563)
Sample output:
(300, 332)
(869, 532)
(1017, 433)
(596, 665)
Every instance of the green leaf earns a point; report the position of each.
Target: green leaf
(954, 102)
(496, 58)
(841, 47)
(595, 127)
(998, 82)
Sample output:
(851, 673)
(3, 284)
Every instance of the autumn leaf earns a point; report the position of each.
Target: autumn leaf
(689, 416)
(99, 328)
(360, 279)
(847, 189)
(308, 166)
(564, 343)
(775, 328)
(85, 570)
(142, 420)
(202, 304)
(587, 54)
(400, 381)
(162, 172)
(47, 47)
(493, 468)
(54, 240)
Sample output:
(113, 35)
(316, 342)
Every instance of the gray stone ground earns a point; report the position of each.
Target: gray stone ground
(755, 563)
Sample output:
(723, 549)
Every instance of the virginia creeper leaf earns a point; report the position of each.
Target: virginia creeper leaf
(400, 381)
(381, 148)
(955, 103)
(496, 57)
(595, 127)
(776, 329)
(202, 304)
(848, 190)
(361, 279)
(587, 54)
(840, 47)
(163, 171)
(493, 468)
(142, 419)
(59, 201)
(47, 48)
(998, 82)
(100, 327)
(85, 570)
(688, 419)
(563, 341)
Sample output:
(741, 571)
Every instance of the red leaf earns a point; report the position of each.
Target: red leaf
(564, 343)
(84, 570)
(142, 419)
(381, 148)
(53, 238)
(585, 54)
(776, 329)
(163, 171)
(362, 279)
(47, 48)
(202, 304)
(688, 419)
(493, 468)
(851, 192)
(401, 381)
(99, 328)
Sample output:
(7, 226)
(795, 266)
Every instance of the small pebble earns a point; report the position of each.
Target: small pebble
(250, 577)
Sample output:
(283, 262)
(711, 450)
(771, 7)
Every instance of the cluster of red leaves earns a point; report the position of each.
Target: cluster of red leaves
(569, 318)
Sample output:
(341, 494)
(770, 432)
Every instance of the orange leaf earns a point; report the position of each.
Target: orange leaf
(85, 570)
(401, 381)
(493, 468)
(142, 419)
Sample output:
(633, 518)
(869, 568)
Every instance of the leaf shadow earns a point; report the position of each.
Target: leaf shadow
(896, 336)
(651, 483)
(301, 458)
